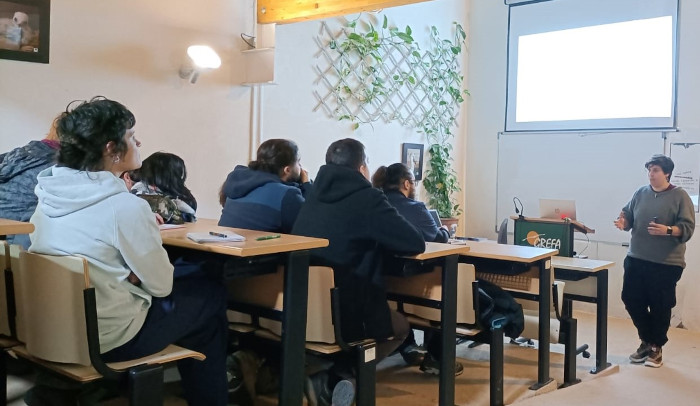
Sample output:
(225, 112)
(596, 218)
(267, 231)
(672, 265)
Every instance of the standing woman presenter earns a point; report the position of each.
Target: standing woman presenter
(661, 219)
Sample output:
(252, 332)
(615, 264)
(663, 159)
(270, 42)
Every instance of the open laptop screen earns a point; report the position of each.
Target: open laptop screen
(436, 217)
(557, 209)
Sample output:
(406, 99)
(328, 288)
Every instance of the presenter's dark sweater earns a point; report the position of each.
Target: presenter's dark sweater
(417, 214)
(361, 226)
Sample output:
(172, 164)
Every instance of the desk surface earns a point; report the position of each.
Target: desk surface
(15, 227)
(250, 247)
(437, 250)
(581, 264)
(506, 252)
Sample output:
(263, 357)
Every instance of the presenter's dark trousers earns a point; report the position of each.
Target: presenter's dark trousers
(649, 294)
(192, 316)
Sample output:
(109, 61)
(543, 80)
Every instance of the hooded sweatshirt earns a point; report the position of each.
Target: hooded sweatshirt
(18, 171)
(361, 226)
(259, 200)
(93, 215)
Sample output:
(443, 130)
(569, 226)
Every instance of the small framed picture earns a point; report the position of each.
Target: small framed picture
(412, 156)
(24, 30)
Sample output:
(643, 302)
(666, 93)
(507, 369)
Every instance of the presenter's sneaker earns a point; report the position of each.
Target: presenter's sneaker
(654, 359)
(432, 366)
(641, 354)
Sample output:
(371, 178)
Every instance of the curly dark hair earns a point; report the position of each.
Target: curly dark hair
(663, 162)
(273, 155)
(391, 178)
(86, 129)
(167, 172)
(347, 152)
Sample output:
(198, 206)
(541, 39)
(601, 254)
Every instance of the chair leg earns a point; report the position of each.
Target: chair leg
(366, 374)
(496, 366)
(570, 329)
(3, 376)
(146, 385)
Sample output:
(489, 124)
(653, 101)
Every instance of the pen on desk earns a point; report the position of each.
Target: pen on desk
(218, 234)
(268, 237)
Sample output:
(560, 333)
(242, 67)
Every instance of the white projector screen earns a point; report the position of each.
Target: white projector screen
(590, 65)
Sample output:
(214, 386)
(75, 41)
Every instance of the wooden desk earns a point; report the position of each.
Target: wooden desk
(8, 227)
(290, 250)
(527, 255)
(446, 256)
(577, 273)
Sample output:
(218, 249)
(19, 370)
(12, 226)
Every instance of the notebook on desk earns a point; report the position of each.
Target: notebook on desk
(436, 217)
(557, 209)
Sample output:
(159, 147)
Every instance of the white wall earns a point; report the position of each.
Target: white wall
(486, 109)
(131, 50)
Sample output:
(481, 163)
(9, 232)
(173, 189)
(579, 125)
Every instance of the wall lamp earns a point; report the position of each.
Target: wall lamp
(201, 58)
(291, 11)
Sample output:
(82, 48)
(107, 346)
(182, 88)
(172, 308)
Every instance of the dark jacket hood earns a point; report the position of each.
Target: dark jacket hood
(243, 180)
(33, 155)
(334, 183)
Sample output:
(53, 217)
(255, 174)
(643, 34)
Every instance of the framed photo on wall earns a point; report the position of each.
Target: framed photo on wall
(412, 156)
(24, 30)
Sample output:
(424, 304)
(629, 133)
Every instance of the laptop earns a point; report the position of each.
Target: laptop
(557, 209)
(436, 217)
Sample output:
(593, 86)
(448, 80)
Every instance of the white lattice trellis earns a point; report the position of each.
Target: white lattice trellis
(406, 85)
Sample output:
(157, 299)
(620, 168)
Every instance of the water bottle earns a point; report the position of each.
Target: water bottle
(453, 230)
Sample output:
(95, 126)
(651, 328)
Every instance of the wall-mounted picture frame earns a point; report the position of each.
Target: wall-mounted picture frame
(24, 30)
(412, 156)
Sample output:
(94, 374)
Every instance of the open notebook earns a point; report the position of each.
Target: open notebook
(219, 237)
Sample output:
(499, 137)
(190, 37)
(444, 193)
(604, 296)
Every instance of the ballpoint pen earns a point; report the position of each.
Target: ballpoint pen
(218, 234)
(268, 237)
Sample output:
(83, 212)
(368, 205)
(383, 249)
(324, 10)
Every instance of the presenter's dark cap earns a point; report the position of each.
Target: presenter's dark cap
(662, 161)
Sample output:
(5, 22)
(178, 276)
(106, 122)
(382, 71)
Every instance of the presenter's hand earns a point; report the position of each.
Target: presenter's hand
(621, 221)
(656, 228)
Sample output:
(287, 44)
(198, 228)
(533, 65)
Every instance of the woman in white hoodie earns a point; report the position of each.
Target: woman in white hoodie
(85, 209)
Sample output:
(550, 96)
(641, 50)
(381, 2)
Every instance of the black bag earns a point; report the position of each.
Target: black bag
(498, 306)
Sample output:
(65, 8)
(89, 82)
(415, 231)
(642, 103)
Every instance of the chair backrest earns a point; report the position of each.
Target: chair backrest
(268, 291)
(503, 232)
(429, 286)
(4, 305)
(53, 308)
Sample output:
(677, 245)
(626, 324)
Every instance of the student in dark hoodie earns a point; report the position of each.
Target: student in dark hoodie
(360, 226)
(267, 194)
(18, 171)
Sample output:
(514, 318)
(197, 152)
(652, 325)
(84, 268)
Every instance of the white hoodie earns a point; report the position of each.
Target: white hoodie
(93, 215)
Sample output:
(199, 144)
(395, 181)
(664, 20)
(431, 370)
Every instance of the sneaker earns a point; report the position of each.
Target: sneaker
(317, 391)
(431, 366)
(413, 354)
(654, 359)
(641, 354)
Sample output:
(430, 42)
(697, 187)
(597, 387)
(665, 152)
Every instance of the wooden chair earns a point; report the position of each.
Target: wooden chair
(257, 301)
(418, 297)
(61, 334)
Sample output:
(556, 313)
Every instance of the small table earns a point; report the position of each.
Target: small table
(526, 255)
(577, 272)
(8, 227)
(292, 251)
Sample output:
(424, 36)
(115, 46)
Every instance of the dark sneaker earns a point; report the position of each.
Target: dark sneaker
(654, 359)
(641, 354)
(413, 355)
(317, 391)
(431, 366)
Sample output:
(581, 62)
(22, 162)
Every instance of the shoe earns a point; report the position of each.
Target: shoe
(641, 354)
(413, 355)
(654, 359)
(317, 391)
(343, 393)
(431, 366)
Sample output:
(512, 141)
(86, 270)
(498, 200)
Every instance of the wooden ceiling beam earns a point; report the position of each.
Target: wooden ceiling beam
(290, 11)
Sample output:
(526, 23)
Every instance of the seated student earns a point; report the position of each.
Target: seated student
(18, 170)
(85, 209)
(398, 185)
(164, 174)
(266, 194)
(361, 226)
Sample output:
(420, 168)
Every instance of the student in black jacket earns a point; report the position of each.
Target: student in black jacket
(398, 183)
(361, 226)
